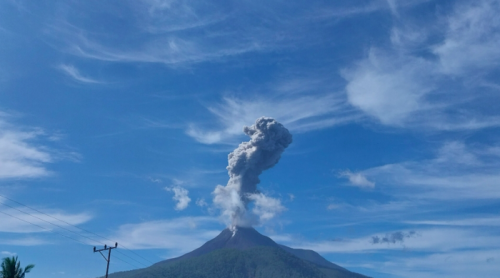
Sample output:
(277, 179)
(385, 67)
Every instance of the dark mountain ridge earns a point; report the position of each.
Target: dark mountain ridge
(243, 252)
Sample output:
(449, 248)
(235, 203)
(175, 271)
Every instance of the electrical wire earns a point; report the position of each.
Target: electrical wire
(78, 234)
(61, 234)
(90, 232)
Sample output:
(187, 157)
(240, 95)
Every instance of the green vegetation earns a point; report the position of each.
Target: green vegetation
(257, 262)
(11, 268)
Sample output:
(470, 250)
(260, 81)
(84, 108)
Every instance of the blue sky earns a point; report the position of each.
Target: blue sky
(116, 119)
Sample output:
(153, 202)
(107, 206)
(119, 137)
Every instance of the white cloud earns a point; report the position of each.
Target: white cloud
(180, 234)
(201, 202)
(25, 241)
(471, 222)
(7, 253)
(367, 8)
(457, 172)
(472, 39)
(389, 87)
(165, 16)
(73, 72)
(456, 152)
(20, 155)
(298, 112)
(357, 179)
(155, 180)
(332, 206)
(405, 86)
(393, 6)
(15, 221)
(466, 263)
(433, 240)
(168, 32)
(171, 51)
(180, 196)
(266, 208)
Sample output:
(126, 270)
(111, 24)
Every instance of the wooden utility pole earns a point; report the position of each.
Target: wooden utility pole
(109, 254)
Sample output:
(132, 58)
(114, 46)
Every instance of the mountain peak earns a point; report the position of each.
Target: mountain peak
(235, 237)
(250, 253)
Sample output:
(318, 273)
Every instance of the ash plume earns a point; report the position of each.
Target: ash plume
(268, 141)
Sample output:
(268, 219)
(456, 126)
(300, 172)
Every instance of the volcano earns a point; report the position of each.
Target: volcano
(240, 252)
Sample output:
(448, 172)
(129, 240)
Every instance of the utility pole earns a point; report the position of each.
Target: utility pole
(109, 254)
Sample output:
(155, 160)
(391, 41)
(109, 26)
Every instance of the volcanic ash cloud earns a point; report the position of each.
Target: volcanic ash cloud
(268, 141)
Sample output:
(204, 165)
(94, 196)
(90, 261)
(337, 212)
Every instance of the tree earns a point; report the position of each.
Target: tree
(11, 268)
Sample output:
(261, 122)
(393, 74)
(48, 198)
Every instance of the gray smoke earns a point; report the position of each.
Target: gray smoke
(396, 237)
(268, 141)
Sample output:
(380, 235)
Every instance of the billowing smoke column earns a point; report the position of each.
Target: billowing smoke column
(268, 141)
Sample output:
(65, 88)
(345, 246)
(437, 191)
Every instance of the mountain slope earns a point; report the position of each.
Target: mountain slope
(238, 238)
(243, 252)
(313, 257)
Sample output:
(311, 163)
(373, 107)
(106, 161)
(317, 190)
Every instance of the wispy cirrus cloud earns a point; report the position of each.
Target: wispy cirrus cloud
(430, 252)
(300, 104)
(401, 86)
(25, 152)
(184, 234)
(21, 220)
(74, 73)
(166, 16)
(456, 172)
(429, 240)
(20, 154)
(406, 84)
(367, 7)
(24, 241)
(174, 33)
(466, 263)
(472, 39)
(491, 221)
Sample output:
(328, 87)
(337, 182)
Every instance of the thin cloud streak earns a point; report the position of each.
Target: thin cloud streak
(298, 112)
(464, 263)
(167, 35)
(399, 87)
(173, 16)
(20, 156)
(429, 240)
(74, 73)
(472, 39)
(15, 221)
(179, 235)
(24, 151)
(468, 222)
(373, 6)
(458, 172)
(25, 241)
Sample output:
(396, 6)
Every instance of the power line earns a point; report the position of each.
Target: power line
(68, 230)
(90, 232)
(61, 234)
(46, 229)
(50, 222)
